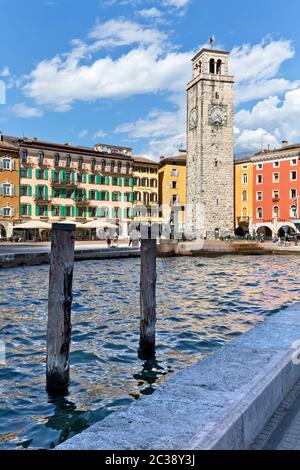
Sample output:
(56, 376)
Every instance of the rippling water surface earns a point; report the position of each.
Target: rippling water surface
(202, 303)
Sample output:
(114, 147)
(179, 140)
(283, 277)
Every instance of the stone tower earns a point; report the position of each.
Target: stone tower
(210, 160)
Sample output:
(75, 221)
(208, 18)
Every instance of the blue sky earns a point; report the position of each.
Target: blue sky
(115, 71)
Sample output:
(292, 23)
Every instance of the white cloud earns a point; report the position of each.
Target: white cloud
(275, 117)
(177, 3)
(83, 133)
(254, 140)
(99, 134)
(147, 68)
(24, 111)
(5, 72)
(150, 13)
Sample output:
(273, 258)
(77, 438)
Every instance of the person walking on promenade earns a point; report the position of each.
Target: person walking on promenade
(107, 237)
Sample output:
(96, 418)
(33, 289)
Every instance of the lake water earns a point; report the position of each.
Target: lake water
(201, 304)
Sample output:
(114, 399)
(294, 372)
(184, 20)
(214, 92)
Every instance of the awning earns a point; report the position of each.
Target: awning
(33, 225)
(99, 224)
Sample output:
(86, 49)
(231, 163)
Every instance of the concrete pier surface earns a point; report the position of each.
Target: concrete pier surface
(12, 255)
(221, 402)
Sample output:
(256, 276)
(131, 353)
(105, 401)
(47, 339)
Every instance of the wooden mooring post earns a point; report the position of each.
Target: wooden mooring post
(148, 298)
(59, 307)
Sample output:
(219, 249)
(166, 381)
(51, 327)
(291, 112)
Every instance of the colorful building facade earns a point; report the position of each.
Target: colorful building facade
(9, 188)
(172, 187)
(145, 174)
(243, 196)
(63, 182)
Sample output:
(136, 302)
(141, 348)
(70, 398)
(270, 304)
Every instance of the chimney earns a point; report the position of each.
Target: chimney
(285, 143)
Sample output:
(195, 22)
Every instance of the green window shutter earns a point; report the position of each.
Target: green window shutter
(73, 177)
(77, 211)
(120, 181)
(84, 212)
(106, 195)
(53, 192)
(46, 174)
(46, 192)
(90, 179)
(73, 211)
(98, 179)
(119, 213)
(107, 180)
(29, 190)
(37, 174)
(29, 210)
(84, 178)
(119, 196)
(46, 211)
(84, 194)
(61, 211)
(36, 191)
(90, 212)
(29, 173)
(52, 211)
(62, 193)
(90, 195)
(74, 195)
(107, 212)
(102, 180)
(131, 197)
(131, 212)
(52, 175)
(36, 210)
(131, 182)
(62, 176)
(125, 212)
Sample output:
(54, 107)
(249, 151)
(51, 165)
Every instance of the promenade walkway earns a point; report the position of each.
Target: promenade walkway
(282, 432)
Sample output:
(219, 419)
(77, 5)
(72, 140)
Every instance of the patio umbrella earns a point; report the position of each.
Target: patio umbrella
(33, 225)
(78, 224)
(100, 224)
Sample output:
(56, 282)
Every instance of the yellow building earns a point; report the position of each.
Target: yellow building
(172, 187)
(145, 175)
(9, 188)
(243, 196)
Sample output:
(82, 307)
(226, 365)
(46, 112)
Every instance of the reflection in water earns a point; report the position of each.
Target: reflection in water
(201, 303)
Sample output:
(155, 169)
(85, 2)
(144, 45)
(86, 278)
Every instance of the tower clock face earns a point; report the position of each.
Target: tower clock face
(193, 119)
(217, 115)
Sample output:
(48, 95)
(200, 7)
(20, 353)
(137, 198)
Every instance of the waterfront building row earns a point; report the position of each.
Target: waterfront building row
(54, 182)
(267, 190)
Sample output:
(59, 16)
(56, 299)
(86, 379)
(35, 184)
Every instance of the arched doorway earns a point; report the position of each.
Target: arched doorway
(2, 231)
(239, 232)
(289, 231)
(265, 231)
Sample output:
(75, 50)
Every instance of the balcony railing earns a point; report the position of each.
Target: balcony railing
(275, 199)
(56, 182)
(244, 220)
(41, 198)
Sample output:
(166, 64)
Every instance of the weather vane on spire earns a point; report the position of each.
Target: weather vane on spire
(211, 41)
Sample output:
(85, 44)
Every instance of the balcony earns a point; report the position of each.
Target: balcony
(57, 183)
(41, 198)
(243, 220)
(82, 201)
(275, 199)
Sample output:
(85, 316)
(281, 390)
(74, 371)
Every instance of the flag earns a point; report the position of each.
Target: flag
(211, 41)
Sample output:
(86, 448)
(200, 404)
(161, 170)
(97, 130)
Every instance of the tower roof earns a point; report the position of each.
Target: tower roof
(212, 51)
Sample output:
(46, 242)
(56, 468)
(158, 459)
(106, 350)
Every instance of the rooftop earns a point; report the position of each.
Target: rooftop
(212, 51)
(145, 160)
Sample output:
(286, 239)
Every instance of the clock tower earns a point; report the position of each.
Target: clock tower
(210, 160)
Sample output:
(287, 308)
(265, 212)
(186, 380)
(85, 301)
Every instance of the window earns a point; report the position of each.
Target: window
(276, 212)
(93, 164)
(7, 164)
(68, 161)
(55, 211)
(212, 66)
(112, 166)
(114, 180)
(245, 178)
(103, 166)
(259, 196)
(128, 168)
(41, 158)
(217, 96)
(7, 189)
(259, 179)
(56, 159)
(293, 175)
(259, 213)
(39, 174)
(24, 190)
(275, 177)
(40, 210)
(24, 155)
(245, 166)
(276, 164)
(174, 200)
(276, 194)
(244, 196)
(80, 163)
(24, 210)
(293, 194)
(7, 212)
(293, 211)
(68, 211)
(174, 172)
(244, 212)
(259, 166)
(294, 161)
(119, 167)
(92, 179)
(219, 67)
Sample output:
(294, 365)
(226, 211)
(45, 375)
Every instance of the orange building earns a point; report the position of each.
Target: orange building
(243, 196)
(9, 188)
